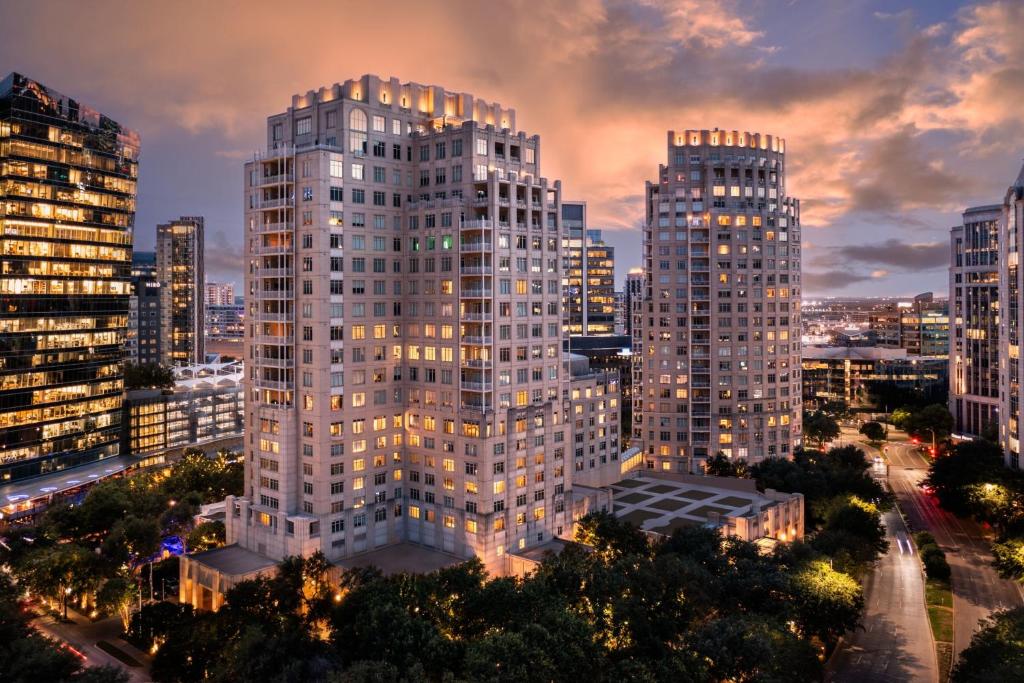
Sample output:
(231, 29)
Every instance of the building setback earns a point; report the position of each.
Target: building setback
(1011, 324)
(719, 343)
(179, 262)
(403, 329)
(974, 322)
(68, 189)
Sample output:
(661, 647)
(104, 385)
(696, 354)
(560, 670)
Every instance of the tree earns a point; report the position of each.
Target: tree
(829, 602)
(899, 418)
(118, 596)
(1008, 558)
(820, 428)
(206, 536)
(26, 656)
(952, 475)
(59, 571)
(147, 376)
(721, 466)
(873, 431)
(995, 653)
(852, 533)
(934, 421)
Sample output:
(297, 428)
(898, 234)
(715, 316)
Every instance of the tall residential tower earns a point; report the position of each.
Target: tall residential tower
(973, 322)
(1011, 322)
(67, 185)
(403, 329)
(719, 342)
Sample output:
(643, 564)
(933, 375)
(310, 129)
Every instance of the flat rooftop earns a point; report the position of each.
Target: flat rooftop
(63, 480)
(403, 558)
(233, 560)
(664, 502)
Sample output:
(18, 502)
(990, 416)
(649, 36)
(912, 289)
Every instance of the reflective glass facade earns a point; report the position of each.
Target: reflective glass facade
(67, 208)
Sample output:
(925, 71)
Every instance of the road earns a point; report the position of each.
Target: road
(896, 643)
(977, 588)
(83, 636)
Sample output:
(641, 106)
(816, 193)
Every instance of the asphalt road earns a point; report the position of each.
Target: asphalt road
(895, 643)
(83, 638)
(977, 588)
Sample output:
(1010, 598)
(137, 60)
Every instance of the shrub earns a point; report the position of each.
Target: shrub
(923, 538)
(934, 560)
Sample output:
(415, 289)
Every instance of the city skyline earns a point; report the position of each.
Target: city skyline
(896, 124)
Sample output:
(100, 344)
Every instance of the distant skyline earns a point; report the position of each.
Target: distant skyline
(897, 116)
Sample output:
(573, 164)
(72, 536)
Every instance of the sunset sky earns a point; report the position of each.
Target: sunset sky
(897, 115)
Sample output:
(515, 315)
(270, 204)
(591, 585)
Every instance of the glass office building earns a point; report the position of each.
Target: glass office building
(67, 207)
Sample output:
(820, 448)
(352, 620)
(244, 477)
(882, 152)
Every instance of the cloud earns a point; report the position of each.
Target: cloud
(827, 281)
(898, 254)
(223, 256)
(897, 133)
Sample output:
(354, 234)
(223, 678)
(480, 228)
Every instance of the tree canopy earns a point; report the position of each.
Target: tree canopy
(995, 653)
(694, 606)
(147, 376)
(820, 427)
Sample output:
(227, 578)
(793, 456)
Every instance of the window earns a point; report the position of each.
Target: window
(336, 194)
(378, 124)
(304, 126)
(337, 168)
(357, 131)
(357, 171)
(481, 146)
(358, 196)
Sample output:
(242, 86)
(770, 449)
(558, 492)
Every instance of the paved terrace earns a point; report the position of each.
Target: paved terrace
(664, 502)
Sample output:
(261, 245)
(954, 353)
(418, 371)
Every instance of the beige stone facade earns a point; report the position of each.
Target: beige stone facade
(403, 329)
(719, 342)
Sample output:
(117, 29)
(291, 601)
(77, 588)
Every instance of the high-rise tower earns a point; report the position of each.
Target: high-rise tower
(720, 328)
(67, 185)
(974, 321)
(403, 329)
(1011, 322)
(179, 263)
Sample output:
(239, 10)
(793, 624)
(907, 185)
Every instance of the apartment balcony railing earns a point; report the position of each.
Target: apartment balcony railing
(279, 340)
(276, 203)
(476, 270)
(272, 249)
(274, 317)
(273, 384)
(477, 363)
(474, 293)
(277, 179)
(477, 246)
(280, 226)
(476, 339)
(275, 272)
(478, 224)
(475, 317)
(477, 386)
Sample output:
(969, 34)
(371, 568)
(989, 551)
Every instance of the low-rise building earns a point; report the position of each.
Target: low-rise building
(661, 502)
(206, 404)
(846, 373)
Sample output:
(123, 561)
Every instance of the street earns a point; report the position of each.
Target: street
(977, 588)
(83, 635)
(895, 643)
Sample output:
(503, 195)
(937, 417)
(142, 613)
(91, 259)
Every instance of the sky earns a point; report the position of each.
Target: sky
(896, 115)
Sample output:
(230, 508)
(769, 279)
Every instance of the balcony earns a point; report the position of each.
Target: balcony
(476, 317)
(276, 179)
(275, 272)
(280, 226)
(272, 249)
(273, 384)
(477, 363)
(477, 386)
(476, 246)
(473, 293)
(476, 339)
(280, 340)
(276, 203)
(479, 224)
(476, 270)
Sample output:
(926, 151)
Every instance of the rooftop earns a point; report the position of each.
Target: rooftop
(233, 560)
(55, 482)
(663, 502)
(403, 558)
